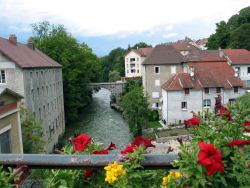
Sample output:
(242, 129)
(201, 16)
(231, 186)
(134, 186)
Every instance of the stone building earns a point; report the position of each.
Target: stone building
(26, 70)
(196, 89)
(133, 60)
(10, 126)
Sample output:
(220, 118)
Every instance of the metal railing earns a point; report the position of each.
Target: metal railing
(58, 161)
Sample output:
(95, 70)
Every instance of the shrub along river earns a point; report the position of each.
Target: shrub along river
(101, 123)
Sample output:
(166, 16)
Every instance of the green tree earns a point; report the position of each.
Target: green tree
(140, 45)
(136, 110)
(114, 76)
(32, 133)
(80, 65)
(240, 37)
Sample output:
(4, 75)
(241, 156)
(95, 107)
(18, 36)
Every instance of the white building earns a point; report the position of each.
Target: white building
(240, 60)
(196, 90)
(133, 60)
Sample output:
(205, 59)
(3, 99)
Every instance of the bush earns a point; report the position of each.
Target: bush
(154, 115)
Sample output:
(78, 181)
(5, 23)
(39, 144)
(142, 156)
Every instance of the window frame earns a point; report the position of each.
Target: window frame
(206, 90)
(3, 131)
(157, 82)
(154, 96)
(236, 89)
(1, 77)
(205, 103)
(184, 107)
(186, 91)
(248, 70)
(173, 67)
(218, 90)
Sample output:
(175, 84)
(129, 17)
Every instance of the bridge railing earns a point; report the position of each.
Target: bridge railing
(53, 161)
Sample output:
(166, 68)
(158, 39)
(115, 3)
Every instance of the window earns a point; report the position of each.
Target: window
(236, 89)
(206, 90)
(231, 101)
(186, 90)
(157, 70)
(248, 70)
(5, 142)
(184, 105)
(2, 77)
(137, 71)
(155, 95)
(218, 90)
(155, 105)
(206, 103)
(132, 59)
(157, 82)
(173, 69)
(137, 58)
(132, 71)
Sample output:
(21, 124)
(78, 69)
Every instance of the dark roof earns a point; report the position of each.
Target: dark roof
(238, 56)
(204, 55)
(206, 75)
(4, 90)
(25, 57)
(163, 54)
(183, 46)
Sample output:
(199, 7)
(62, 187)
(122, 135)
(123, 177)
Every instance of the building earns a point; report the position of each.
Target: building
(164, 61)
(240, 60)
(133, 61)
(10, 126)
(26, 70)
(197, 88)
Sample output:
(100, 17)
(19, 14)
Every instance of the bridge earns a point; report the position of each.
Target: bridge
(116, 88)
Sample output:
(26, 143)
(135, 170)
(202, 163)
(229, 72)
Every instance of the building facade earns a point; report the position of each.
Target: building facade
(10, 126)
(239, 59)
(196, 90)
(133, 61)
(38, 78)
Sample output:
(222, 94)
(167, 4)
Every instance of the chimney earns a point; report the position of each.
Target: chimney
(13, 39)
(31, 45)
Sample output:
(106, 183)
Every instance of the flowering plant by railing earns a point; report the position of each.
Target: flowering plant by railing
(218, 156)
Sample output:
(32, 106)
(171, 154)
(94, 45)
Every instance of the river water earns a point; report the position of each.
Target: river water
(101, 123)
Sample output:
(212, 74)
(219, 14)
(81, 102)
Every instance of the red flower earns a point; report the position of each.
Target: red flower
(246, 124)
(239, 143)
(128, 149)
(140, 141)
(101, 152)
(111, 146)
(210, 158)
(194, 121)
(81, 142)
(224, 112)
(88, 173)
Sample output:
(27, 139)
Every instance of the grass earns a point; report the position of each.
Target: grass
(151, 136)
(173, 132)
(154, 124)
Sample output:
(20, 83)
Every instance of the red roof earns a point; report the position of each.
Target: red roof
(25, 57)
(238, 56)
(204, 55)
(206, 75)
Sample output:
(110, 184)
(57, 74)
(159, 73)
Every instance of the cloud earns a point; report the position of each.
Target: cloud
(117, 17)
(170, 35)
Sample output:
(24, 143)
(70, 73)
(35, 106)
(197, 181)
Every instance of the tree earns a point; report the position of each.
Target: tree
(114, 76)
(240, 37)
(80, 65)
(32, 133)
(136, 110)
(140, 45)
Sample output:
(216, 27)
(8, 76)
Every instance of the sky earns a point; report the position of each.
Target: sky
(108, 24)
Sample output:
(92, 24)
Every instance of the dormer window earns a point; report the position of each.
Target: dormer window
(186, 91)
(206, 90)
(2, 77)
(236, 89)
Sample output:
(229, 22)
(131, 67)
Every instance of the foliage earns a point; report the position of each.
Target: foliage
(154, 124)
(32, 133)
(240, 37)
(139, 45)
(114, 76)
(136, 110)
(6, 177)
(217, 130)
(131, 84)
(232, 34)
(154, 115)
(80, 65)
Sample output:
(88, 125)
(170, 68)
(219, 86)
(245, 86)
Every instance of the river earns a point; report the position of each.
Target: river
(101, 123)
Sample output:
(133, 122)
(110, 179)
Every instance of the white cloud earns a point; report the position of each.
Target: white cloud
(109, 17)
(170, 35)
